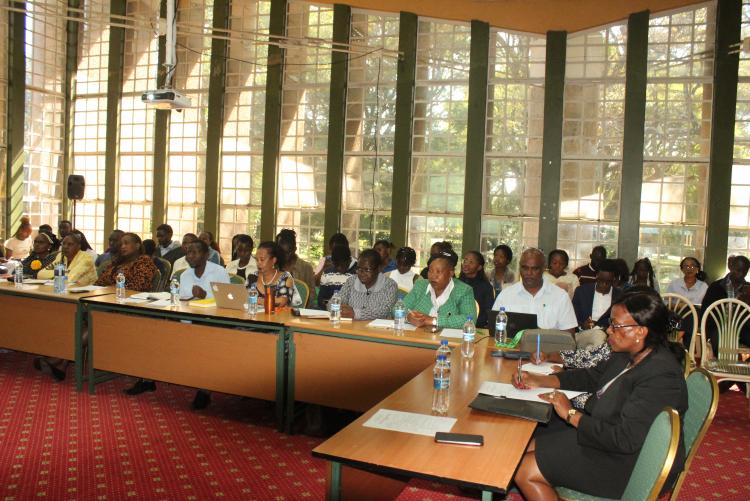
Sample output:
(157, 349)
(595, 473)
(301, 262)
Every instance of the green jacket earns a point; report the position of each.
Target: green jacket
(453, 313)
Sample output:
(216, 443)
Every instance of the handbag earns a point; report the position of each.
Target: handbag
(534, 411)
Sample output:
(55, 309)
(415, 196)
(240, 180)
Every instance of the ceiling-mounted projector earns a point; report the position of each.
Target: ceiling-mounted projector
(166, 99)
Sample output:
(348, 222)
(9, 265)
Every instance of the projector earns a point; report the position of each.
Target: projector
(166, 99)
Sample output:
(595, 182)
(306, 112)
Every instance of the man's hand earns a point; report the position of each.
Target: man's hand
(198, 292)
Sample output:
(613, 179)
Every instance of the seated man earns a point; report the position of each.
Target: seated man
(181, 263)
(533, 294)
(592, 301)
(104, 259)
(733, 285)
(587, 273)
(196, 280)
(169, 249)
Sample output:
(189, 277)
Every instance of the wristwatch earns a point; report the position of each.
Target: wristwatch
(571, 413)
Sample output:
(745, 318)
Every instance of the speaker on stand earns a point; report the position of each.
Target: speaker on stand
(76, 189)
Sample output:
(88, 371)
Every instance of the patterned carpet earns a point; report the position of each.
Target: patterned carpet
(57, 444)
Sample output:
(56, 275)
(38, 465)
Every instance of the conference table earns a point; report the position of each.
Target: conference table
(369, 463)
(40, 321)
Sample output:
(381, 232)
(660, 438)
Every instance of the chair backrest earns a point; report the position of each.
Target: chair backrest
(703, 399)
(166, 272)
(684, 309)
(655, 458)
(156, 281)
(236, 279)
(304, 292)
(177, 274)
(729, 316)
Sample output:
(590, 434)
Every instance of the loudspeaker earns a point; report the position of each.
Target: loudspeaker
(76, 187)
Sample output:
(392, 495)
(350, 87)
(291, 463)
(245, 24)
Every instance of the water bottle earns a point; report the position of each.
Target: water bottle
(120, 287)
(444, 351)
(467, 346)
(18, 274)
(441, 384)
(334, 307)
(59, 280)
(252, 301)
(399, 317)
(501, 327)
(174, 293)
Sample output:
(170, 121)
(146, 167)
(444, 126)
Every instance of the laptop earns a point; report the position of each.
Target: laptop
(516, 322)
(232, 296)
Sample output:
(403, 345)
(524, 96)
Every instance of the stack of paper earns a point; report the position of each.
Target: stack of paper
(545, 368)
(381, 323)
(452, 333)
(310, 313)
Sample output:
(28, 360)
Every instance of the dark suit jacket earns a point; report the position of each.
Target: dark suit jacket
(583, 302)
(174, 255)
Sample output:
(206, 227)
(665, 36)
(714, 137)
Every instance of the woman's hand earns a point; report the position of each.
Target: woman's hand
(559, 401)
(347, 311)
(418, 319)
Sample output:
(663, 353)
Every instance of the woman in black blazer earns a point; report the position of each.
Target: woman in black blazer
(595, 451)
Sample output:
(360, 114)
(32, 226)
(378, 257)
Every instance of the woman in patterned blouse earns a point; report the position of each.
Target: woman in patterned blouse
(369, 294)
(139, 269)
(42, 252)
(271, 261)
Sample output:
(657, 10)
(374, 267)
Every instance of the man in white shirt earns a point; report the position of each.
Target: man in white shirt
(533, 294)
(196, 280)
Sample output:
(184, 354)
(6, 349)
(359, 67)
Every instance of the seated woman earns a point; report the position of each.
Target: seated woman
(139, 269)
(334, 277)
(41, 254)
(557, 262)
(501, 275)
(473, 274)
(594, 451)
(404, 275)
(244, 263)
(79, 265)
(19, 245)
(692, 284)
(441, 300)
(643, 275)
(271, 261)
(369, 294)
(383, 248)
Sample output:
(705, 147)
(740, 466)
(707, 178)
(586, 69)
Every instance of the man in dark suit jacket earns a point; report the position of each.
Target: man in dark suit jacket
(602, 291)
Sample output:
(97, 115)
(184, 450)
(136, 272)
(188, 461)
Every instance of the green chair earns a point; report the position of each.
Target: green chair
(304, 292)
(703, 399)
(165, 275)
(236, 279)
(729, 316)
(155, 282)
(653, 465)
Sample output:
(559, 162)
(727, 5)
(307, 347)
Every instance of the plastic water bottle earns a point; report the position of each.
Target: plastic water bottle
(60, 278)
(444, 351)
(120, 287)
(334, 307)
(441, 384)
(252, 301)
(501, 327)
(399, 317)
(467, 346)
(174, 293)
(18, 275)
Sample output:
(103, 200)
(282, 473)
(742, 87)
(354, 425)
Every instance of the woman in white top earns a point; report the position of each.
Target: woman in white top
(19, 245)
(691, 285)
(403, 275)
(557, 262)
(244, 265)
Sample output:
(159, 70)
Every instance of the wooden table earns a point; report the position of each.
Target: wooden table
(369, 463)
(352, 366)
(37, 320)
(209, 348)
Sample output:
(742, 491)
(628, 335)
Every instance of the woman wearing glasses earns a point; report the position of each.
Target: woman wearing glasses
(594, 451)
(691, 285)
(368, 294)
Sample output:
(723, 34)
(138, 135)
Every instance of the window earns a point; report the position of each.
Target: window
(186, 137)
(304, 126)
(244, 114)
(677, 139)
(739, 203)
(45, 111)
(370, 125)
(439, 143)
(513, 145)
(136, 171)
(89, 119)
(593, 122)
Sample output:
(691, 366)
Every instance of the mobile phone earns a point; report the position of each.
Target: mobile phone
(442, 437)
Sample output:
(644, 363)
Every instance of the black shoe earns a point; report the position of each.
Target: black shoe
(141, 386)
(202, 400)
(37, 363)
(46, 367)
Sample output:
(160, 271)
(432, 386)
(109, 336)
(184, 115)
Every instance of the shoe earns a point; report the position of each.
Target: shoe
(202, 400)
(46, 367)
(37, 363)
(141, 386)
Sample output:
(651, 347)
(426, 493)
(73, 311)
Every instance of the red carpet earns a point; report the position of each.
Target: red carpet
(57, 444)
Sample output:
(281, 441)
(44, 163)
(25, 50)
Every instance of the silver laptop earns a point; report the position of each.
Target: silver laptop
(232, 296)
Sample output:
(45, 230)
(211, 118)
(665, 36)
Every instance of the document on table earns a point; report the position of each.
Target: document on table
(505, 390)
(135, 300)
(310, 313)
(161, 303)
(382, 323)
(154, 296)
(543, 368)
(452, 333)
(86, 288)
(410, 422)
(36, 281)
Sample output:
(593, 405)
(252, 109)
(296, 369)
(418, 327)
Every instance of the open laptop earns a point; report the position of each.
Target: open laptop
(516, 322)
(232, 296)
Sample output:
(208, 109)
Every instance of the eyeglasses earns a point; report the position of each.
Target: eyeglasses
(615, 326)
(690, 267)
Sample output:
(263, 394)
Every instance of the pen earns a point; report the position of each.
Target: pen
(538, 343)
(520, 381)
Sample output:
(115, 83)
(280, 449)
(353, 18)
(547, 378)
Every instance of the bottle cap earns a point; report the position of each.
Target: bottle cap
(502, 308)
(441, 357)
(443, 341)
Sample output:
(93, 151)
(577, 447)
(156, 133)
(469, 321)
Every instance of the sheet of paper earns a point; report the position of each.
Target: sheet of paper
(509, 391)
(410, 422)
(310, 313)
(36, 281)
(154, 296)
(26, 287)
(452, 333)
(135, 300)
(382, 323)
(543, 368)
(86, 288)
(161, 303)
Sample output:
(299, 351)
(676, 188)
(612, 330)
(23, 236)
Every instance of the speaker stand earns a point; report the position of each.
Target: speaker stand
(73, 219)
